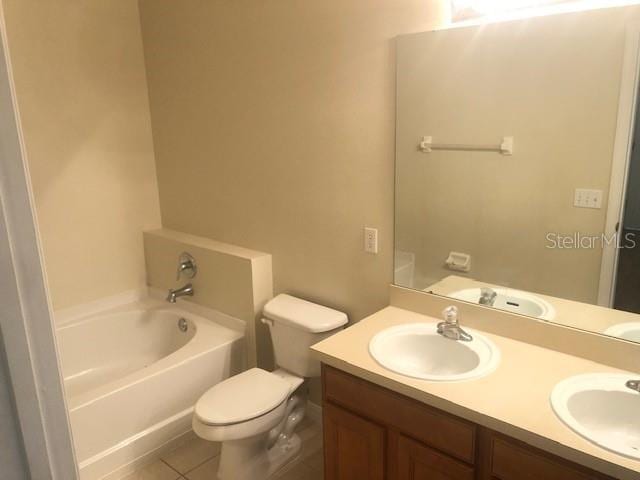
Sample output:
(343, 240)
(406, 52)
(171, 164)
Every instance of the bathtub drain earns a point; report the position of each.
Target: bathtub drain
(183, 325)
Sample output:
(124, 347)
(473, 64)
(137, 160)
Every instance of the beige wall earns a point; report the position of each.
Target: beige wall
(553, 84)
(81, 87)
(274, 130)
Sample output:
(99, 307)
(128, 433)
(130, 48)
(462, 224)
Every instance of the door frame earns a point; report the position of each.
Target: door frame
(26, 319)
(625, 130)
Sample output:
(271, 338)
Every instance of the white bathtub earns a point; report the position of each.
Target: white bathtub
(132, 378)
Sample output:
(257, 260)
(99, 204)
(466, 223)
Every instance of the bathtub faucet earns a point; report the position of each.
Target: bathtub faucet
(186, 291)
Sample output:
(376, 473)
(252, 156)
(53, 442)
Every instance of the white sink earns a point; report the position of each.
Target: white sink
(602, 409)
(510, 300)
(417, 350)
(627, 331)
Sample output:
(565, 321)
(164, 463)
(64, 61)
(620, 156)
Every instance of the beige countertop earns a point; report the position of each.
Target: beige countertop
(513, 400)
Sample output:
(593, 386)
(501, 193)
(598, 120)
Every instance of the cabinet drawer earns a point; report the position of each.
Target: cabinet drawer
(512, 460)
(451, 435)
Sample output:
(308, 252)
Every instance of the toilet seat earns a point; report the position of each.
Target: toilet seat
(241, 398)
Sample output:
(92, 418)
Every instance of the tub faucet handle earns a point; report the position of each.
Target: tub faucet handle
(186, 265)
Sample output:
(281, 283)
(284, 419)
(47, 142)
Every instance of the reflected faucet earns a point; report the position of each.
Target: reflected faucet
(450, 328)
(174, 294)
(487, 296)
(634, 385)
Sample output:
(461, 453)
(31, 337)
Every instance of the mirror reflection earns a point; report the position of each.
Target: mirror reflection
(517, 184)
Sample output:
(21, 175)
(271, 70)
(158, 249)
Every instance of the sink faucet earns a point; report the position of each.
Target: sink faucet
(634, 385)
(450, 328)
(487, 296)
(174, 294)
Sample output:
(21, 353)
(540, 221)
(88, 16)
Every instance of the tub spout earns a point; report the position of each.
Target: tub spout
(174, 294)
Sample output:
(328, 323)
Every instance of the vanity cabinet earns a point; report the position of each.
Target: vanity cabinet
(372, 433)
(355, 447)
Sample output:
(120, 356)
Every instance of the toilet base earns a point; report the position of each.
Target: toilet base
(249, 458)
(260, 456)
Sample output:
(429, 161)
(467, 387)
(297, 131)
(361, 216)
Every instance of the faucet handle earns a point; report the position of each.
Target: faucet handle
(186, 264)
(488, 292)
(450, 314)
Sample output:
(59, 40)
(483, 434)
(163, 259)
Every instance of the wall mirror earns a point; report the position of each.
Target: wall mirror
(517, 184)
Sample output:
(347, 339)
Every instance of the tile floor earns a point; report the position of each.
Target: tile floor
(198, 460)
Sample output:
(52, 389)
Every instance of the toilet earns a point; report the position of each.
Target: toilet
(254, 414)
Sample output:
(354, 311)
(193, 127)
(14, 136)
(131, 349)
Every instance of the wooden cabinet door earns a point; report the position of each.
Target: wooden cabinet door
(416, 461)
(513, 460)
(354, 447)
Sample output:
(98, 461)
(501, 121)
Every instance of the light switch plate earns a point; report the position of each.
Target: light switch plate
(585, 198)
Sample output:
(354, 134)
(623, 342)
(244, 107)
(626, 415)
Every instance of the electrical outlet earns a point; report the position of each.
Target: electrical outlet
(585, 198)
(370, 240)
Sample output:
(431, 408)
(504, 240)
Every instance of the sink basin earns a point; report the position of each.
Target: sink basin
(602, 409)
(417, 350)
(510, 300)
(627, 331)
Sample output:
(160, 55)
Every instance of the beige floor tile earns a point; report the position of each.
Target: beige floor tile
(206, 471)
(315, 461)
(157, 470)
(311, 441)
(192, 454)
(298, 472)
(314, 475)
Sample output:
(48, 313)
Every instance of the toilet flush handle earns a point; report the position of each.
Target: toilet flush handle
(266, 321)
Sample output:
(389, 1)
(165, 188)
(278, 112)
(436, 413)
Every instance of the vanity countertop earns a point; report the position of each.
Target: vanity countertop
(513, 400)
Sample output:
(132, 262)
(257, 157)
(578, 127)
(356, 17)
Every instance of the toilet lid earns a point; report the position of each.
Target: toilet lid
(242, 397)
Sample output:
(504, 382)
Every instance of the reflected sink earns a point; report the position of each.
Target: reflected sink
(510, 300)
(602, 409)
(417, 350)
(627, 331)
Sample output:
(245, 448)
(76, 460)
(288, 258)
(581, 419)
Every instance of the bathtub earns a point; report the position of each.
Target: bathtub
(132, 377)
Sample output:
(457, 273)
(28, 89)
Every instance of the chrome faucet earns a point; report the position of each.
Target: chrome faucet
(634, 385)
(487, 296)
(450, 328)
(174, 294)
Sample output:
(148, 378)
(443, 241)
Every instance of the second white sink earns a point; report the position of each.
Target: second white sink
(417, 350)
(602, 409)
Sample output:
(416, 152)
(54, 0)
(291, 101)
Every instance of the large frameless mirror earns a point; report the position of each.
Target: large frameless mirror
(517, 184)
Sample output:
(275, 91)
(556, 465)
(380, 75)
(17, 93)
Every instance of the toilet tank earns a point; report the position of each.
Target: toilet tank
(295, 325)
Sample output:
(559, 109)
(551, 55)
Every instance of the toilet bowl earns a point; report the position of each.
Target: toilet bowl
(254, 414)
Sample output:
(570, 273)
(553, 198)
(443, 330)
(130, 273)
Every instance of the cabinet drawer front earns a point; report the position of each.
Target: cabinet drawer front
(512, 461)
(354, 447)
(451, 435)
(419, 462)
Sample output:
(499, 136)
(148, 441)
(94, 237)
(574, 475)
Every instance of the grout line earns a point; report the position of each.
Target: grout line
(201, 463)
(179, 473)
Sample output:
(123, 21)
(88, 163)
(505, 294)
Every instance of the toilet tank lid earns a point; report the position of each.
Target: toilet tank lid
(307, 316)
